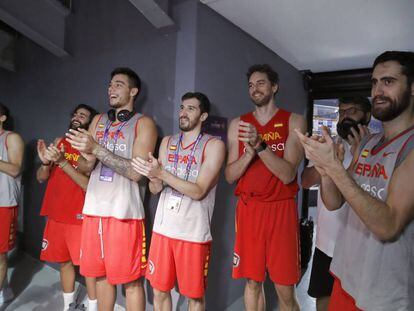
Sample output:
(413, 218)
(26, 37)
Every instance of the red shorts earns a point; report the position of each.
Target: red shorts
(113, 248)
(61, 242)
(8, 228)
(341, 300)
(267, 238)
(187, 262)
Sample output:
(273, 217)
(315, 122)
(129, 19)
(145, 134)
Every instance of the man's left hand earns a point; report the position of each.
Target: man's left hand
(82, 141)
(151, 168)
(322, 151)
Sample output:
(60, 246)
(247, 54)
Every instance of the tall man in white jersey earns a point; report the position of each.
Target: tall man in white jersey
(264, 156)
(373, 258)
(11, 158)
(113, 243)
(186, 174)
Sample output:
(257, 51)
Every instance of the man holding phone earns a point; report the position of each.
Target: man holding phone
(354, 115)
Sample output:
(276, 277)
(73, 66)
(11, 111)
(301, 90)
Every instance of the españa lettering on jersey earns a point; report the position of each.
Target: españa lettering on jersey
(258, 182)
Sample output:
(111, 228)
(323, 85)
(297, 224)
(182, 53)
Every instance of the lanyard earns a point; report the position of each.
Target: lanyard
(106, 134)
(190, 158)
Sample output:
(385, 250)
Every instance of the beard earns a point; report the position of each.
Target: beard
(393, 109)
(116, 105)
(261, 101)
(185, 126)
(344, 127)
(75, 125)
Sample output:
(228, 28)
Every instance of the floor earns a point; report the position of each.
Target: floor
(36, 286)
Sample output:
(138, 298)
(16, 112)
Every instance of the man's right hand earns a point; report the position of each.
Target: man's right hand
(53, 154)
(41, 151)
(247, 133)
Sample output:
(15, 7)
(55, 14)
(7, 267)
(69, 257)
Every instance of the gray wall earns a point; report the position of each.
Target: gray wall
(5, 79)
(101, 35)
(206, 53)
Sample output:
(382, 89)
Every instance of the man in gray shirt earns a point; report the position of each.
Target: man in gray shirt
(373, 257)
(11, 158)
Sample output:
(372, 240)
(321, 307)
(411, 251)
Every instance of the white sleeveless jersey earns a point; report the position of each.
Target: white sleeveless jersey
(378, 275)
(9, 186)
(192, 221)
(119, 198)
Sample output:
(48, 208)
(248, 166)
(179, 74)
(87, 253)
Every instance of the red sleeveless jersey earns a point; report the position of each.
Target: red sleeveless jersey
(63, 201)
(258, 182)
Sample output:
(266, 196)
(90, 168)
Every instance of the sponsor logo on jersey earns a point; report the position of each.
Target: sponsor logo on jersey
(45, 244)
(365, 153)
(151, 267)
(376, 170)
(180, 172)
(373, 191)
(278, 125)
(236, 260)
(277, 147)
(117, 147)
(273, 147)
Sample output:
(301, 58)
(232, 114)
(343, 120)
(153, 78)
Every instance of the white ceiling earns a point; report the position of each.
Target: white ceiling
(324, 35)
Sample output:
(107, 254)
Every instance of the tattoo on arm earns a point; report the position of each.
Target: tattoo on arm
(119, 164)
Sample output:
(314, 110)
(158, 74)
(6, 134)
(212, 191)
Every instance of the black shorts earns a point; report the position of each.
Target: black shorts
(321, 281)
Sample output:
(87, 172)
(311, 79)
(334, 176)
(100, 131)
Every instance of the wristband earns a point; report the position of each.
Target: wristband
(261, 147)
(63, 164)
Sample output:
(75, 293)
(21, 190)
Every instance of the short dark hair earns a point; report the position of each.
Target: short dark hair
(202, 99)
(133, 78)
(91, 110)
(272, 75)
(361, 101)
(404, 58)
(4, 111)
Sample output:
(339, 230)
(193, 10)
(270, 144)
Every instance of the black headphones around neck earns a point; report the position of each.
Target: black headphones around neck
(123, 115)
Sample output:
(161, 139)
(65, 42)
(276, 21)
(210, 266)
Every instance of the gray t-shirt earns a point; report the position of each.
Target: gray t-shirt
(9, 186)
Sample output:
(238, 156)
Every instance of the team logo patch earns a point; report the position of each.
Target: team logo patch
(151, 267)
(278, 125)
(365, 153)
(236, 260)
(45, 243)
(173, 147)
